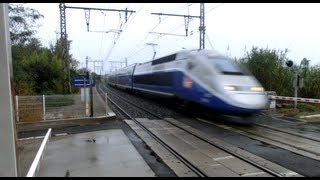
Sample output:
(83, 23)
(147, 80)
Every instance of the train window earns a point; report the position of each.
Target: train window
(159, 79)
(164, 59)
(227, 66)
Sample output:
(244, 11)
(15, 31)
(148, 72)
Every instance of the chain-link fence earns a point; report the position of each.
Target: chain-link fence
(52, 107)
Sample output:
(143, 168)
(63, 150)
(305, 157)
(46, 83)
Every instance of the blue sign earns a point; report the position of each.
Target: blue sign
(82, 82)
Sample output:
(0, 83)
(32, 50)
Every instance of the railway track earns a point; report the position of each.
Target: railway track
(304, 145)
(188, 168)
(189, 152)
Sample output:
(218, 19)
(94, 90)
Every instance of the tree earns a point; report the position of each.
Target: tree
(37, 69)
(268, 66)
(22, 22)
(311, 82)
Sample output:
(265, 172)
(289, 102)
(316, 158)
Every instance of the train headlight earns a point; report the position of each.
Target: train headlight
(230, 88)
(257, 89)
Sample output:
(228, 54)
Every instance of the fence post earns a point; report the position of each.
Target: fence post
(106, 97)
(44, 107)
(17, 108)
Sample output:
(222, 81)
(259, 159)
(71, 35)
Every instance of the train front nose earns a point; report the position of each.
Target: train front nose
(251, 100)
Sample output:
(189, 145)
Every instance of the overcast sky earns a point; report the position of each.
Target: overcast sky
(231, 28)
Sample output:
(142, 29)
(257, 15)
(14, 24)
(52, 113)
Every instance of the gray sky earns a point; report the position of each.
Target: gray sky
(238, 26)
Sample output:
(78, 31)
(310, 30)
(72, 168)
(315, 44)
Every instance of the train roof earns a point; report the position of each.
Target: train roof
(183, 52)
(188, 51)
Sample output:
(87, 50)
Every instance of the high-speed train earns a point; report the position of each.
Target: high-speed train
(204, 77)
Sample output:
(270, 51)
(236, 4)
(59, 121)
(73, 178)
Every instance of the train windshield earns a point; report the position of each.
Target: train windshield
(227, 66)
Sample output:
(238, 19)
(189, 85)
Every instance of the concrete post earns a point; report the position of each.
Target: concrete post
(106, 97)
(17, 108)
(8, 137)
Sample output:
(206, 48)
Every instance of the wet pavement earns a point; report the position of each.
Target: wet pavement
(106, 153)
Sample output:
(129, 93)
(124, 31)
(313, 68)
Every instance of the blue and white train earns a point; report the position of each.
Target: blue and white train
(204, 77)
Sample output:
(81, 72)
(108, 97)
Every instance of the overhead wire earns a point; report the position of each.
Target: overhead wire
(208, 39)
(213, 8)
(122, 29)
(102, 35)
(109, 53)
(137, 51)
(175, 28)
(171, 30)
(158, 37)
(151, 42)
(154, 28)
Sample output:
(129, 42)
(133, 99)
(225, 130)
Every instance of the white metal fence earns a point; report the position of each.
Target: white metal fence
(52, 107)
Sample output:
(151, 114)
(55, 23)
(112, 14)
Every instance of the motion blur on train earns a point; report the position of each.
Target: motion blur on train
(204, 77)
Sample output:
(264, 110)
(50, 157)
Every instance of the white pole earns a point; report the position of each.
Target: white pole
(17, 108)
(44, 107)
(106, 97)
(85, 94)
(295, 89)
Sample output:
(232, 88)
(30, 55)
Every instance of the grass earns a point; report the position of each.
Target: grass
(303, 109)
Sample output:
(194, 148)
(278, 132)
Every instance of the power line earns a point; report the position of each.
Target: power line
(187, 18)
(109, 53)
(63, 28)
(154, 41)
(104, 20)
(214, 8)
(209, 41)
(135, 52)
(177, 27)
(126, 24)
(201, 28)
(184, 6)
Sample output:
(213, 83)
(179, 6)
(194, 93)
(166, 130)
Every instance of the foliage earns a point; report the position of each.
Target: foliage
(269, 67)
(22, 22)
(311, 81)
(37, 69)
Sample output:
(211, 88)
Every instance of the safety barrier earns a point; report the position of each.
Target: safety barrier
(34, 168)
(293, 99)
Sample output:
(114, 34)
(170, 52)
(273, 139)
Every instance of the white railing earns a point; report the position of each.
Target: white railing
(294, 98)
(34, 168)
(274, 98)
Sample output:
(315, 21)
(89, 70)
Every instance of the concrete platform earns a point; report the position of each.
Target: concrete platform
(111, 155)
